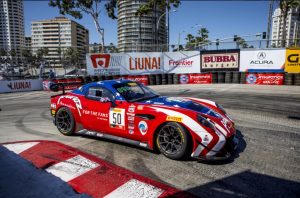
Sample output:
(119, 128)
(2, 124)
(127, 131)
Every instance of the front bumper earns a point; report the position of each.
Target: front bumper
(226, 152)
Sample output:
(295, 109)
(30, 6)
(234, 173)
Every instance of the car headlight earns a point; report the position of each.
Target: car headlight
(221, 108)
(202, 120)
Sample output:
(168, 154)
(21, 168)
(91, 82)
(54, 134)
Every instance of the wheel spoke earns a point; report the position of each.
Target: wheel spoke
(170, 139)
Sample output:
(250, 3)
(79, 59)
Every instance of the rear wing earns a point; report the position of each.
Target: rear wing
(55, 87)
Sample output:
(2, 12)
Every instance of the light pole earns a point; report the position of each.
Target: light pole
(179, 37)
(157, 25)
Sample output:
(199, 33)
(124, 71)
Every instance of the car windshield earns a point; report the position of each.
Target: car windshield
(133, 91)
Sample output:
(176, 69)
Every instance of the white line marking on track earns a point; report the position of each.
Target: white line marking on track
(20, 147)
(72, 168)
(135, 189)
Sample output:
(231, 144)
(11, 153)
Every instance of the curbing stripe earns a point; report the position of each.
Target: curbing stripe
(72, 168)
(20, 147)
(135, 189)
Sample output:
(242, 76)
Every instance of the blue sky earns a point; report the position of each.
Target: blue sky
(223, 19)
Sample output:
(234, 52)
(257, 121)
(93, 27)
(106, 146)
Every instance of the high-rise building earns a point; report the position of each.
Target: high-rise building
(57, 35)
(292, 27)
(12, 27)
(28, 42)
(144, 34)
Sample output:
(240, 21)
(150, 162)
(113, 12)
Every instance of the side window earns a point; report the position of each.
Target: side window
(98, 93)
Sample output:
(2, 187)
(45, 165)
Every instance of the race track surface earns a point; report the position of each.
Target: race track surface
(266, 164)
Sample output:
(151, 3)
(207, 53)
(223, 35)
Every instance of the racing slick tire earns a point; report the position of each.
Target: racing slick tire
(65, 122)
(172, 140)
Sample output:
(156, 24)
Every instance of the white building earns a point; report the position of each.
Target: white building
(136, 34)
(12, 26)
(292, 27)
(57, 35)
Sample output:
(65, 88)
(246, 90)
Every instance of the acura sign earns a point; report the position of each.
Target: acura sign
(262, 60)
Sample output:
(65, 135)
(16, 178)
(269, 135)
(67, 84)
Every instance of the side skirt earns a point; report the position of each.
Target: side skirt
(112, 137)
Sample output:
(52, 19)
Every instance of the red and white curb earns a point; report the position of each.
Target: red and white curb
(88, 174)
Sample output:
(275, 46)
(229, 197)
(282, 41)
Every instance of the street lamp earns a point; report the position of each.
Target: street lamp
(157, 25)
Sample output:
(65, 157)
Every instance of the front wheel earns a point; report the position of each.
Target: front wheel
(173, 141)
(65, 121)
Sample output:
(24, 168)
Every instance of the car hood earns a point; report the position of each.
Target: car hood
(182, 103)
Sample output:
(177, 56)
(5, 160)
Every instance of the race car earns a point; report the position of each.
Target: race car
(131, 112)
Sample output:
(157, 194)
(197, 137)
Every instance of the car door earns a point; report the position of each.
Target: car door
(96, 108)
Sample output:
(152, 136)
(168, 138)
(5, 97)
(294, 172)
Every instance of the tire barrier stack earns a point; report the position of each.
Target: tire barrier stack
(169, 79)
(221, 77)
(228, 77)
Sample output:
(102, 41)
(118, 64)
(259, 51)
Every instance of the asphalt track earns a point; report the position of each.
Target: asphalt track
(266, 164)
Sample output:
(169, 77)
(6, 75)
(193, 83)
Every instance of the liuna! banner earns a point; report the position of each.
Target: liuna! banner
(195, 78)
(264, 79)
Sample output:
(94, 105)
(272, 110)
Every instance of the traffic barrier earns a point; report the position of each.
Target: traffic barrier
(158, 79)
(297, 79)
(176, 79)
(221, 77)
(228, 77)
(243, 78)
(152, 80)
(288, 79)
(170, 79)
(236, 77)
(214, 77)
(87, 79)
(164, 79)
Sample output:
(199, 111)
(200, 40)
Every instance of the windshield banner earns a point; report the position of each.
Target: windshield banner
(265, 79)
(262, 60)
(195, 78)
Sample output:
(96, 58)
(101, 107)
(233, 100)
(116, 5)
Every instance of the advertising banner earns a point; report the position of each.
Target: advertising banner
(262, 60)
(195, 78)
(20, 85)
(182, 62)
(292, 60)
(143, 63)
(264, 79)
(105, 64)
(220, 60)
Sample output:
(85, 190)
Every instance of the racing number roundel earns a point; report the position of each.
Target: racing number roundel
(117, 118)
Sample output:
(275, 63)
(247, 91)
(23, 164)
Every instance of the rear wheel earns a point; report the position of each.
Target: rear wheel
(65, 121)
(173, 141)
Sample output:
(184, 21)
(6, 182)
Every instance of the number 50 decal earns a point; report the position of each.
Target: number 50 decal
(117, 118)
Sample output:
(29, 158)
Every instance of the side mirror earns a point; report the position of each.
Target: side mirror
(54, 87)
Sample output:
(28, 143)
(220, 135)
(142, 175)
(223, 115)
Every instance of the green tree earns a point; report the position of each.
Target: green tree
(285, 6)
(41, 54)
(75, 8)
(241, 43)
(198, 40)
(112, 48)
(3, 52)
(71, 58)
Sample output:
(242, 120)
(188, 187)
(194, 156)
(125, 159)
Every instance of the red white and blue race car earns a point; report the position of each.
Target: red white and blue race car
(130, 112)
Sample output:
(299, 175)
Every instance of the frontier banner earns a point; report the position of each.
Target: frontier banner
(220, 60)
(292, 61)
(195, 78)
(271, 60)
(264, 79)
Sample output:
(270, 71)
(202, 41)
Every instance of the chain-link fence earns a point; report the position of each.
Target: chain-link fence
(30, 62)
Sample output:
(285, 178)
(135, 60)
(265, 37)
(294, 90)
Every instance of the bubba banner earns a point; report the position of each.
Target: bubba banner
(264, 79)
(220, 60)
(195, 78)
(20, 85)
(292, 61)
(262, 60)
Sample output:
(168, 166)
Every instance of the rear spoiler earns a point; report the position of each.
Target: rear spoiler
(55, 87)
